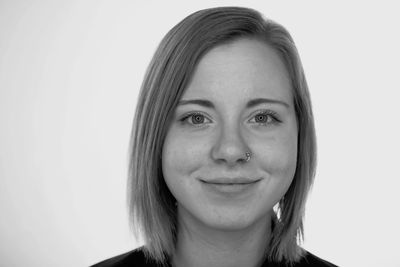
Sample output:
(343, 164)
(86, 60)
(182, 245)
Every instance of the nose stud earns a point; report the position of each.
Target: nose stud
(248, 156)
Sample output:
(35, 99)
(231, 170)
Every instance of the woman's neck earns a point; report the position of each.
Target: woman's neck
(199, 245)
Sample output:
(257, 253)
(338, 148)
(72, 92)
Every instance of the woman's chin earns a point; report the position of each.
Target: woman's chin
(230, 220)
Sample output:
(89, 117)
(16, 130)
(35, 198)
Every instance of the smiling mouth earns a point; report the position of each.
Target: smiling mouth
(230, 181)
(229, 184)
(230, 187)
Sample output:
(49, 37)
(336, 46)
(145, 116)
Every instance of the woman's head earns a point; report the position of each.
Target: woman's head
(227, 56)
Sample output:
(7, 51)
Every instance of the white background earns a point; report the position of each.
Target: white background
(69, 76)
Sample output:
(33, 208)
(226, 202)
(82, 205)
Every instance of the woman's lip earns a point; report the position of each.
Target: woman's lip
(230, 181)
(230, 189)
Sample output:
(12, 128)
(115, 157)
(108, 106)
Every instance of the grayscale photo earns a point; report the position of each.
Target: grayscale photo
(197, 134)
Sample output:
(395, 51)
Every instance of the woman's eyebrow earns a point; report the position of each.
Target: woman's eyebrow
(258, 101)
(251, 103)
(200, 102)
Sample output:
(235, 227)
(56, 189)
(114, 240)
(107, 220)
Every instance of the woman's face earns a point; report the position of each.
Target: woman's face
(238, 100)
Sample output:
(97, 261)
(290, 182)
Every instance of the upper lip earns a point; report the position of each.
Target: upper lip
(228, 180)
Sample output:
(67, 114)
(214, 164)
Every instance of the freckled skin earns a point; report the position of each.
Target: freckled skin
(229, 76)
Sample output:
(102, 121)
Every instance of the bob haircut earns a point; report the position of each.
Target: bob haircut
(152, 208)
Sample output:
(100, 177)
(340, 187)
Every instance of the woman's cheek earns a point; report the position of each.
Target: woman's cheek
(279, 158)
(182, 155)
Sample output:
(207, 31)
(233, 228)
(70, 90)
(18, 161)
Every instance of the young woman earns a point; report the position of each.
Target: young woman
(223, 148)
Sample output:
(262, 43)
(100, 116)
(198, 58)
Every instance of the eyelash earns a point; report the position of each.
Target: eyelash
(269, 113)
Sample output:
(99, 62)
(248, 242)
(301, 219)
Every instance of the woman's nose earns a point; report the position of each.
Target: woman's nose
(230, 147)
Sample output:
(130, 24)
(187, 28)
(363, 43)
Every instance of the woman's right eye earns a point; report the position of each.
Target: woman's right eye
(195, 118)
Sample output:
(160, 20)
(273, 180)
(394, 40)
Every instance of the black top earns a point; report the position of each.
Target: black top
(136, 258)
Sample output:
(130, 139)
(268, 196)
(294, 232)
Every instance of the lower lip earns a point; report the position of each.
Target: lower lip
(230, 189)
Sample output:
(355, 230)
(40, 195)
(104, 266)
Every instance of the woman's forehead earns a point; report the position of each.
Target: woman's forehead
(243, 69)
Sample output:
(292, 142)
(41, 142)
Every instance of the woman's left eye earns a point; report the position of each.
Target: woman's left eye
(265, 118)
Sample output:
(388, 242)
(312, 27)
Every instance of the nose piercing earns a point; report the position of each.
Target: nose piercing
(248, 156)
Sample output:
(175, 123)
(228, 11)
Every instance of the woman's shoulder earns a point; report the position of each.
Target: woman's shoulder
(310, 259)
(134, 258)
(137, 258)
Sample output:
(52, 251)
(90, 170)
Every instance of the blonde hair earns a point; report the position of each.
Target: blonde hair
(151, 205)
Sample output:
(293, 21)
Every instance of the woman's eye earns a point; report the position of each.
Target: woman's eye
(265, 118)
(198, 119)
(195, 119)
